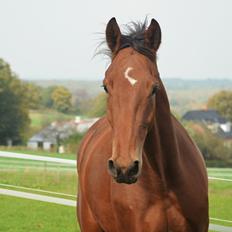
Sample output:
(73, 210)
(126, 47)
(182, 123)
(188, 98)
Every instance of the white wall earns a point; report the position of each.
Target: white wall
(32, 145)
(226, 127)
(47, 146)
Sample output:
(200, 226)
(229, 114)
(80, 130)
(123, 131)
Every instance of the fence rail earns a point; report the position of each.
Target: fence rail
(64, 161)
(36, 157)
(63, 201)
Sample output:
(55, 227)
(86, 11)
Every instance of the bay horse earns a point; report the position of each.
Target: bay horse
(139, 171)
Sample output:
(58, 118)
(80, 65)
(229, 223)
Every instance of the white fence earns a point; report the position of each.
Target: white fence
(36, 157)
(63, 201)
(62, 161)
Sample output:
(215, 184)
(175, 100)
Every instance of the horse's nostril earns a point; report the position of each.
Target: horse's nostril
(134, 169)
(136, 162)
(112, 168)
(111, 164)
(124, 175)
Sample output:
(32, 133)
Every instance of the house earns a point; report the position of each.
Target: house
(50, 136)
(42, 140)
(84, 124)
(213, 120)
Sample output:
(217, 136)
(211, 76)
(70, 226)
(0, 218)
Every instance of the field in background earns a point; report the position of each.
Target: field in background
(63, 179)
(179, 90)
(42, 118)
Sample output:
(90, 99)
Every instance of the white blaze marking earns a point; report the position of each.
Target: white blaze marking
(130, 79)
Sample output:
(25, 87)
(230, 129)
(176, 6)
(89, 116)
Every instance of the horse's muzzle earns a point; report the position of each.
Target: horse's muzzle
(123, 175)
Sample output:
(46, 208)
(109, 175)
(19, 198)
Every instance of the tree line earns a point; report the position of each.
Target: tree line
(55, 97)
(17, 97)
(14, 106)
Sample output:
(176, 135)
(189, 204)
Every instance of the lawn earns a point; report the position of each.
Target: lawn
(26, 215)
(39, 175)
(22, 215)
(220, 201)
(41, 216)
(220, 172)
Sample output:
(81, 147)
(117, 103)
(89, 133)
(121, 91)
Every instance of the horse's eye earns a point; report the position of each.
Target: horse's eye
(105, 88)
(154, 90)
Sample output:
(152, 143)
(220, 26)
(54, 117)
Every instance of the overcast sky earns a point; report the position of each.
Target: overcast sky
(56, 39)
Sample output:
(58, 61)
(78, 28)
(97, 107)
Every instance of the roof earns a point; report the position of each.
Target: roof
(204, 115)
(51, 133)
(62, 129)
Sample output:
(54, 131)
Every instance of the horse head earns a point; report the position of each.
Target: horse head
(131, 82)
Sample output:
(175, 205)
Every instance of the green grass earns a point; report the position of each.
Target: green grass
(225, 173)
(39, 175)
(22, 215)
(63, 178)
(220, 201)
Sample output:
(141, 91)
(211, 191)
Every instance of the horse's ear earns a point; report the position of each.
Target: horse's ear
(113, 35)
(153, 35)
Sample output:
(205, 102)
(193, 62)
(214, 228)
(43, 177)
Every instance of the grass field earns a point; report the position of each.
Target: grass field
(21, 215)
(42, 118)
(221, 200)
(40, 175)
(28, 215)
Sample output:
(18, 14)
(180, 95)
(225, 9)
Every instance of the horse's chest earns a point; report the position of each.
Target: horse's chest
(136, 210)
(140, 216)
(139, 207)
(138, 213)
(141, 219)
(175, 217)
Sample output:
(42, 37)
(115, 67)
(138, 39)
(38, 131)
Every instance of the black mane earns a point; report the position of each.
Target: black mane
(132, 37)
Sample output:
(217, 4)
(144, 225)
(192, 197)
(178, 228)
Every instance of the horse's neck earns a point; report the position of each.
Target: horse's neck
(161, 143)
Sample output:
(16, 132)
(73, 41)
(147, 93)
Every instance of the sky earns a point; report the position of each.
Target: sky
(56, 39)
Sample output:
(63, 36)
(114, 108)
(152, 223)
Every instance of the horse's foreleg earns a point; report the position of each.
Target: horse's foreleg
(85, 217)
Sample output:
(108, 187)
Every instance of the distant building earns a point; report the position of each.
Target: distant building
(213, 120)
(85, 124)
(50, 136)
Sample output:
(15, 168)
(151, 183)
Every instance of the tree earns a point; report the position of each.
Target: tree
(14, 117)
(46, 100)
(98, 107)
(61, 98)
(33, 95)
(222, 102)
(212, 147)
